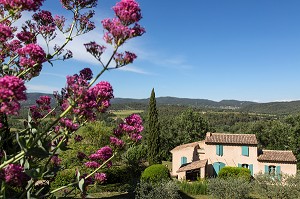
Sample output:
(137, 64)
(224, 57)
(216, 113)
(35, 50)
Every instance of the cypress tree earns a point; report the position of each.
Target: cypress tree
(153, 132)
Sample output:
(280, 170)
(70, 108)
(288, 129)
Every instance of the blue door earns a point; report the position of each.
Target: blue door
(217, 167)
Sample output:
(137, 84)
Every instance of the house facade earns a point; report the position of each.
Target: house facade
(206, 158)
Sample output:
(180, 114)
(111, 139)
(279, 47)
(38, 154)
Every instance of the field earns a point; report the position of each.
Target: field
(124, 113)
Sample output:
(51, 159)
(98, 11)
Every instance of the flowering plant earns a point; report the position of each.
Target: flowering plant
(22, 59)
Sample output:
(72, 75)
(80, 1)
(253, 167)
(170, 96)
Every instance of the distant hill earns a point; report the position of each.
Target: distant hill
(292, 107)
(204, 103)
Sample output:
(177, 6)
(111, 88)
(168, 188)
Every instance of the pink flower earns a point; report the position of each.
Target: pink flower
(12, 90)
(69, 124)
(31, 56)
(81, 155)
(122, 60)
(26, 36)
(86, 73)
(30, 5)
(14, 175)
(95, 49)
(55, 160)
(45, 22)
(116, 142)
(100, 177)
(100, 94)
(5, 33)
(92, 164)
(132, 126)
(105, 153)
(128, 11)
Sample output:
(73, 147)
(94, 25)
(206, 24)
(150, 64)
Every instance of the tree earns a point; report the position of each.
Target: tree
(191, 126)
(153, 132)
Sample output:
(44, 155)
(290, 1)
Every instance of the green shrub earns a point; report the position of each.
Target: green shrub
(270, 187)
(229, 188)
(160, 190)
(110, 188)
(155, 173)
(118, 174)
(193, 188)
(63, 177)
(235, 172)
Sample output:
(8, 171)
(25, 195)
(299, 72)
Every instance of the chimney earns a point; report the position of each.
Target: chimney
(208, 134)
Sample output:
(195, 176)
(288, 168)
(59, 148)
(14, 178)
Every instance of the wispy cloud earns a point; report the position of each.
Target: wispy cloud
(41, 88)
(54, 74)
(133, 69)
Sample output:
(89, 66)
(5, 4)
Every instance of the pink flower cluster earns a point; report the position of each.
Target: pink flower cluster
(5, 33)
(100, 177)
(26, 36)
(101, 94)
(86, 100)
(128, 11)
(99, 157)
(95, 49)
(31, 56)
(123, 27)
(12, 90)
(45, 22)
(55, 160)
(30, 5)
(85, 23)
(68, 124)
(116, 142)
(71, 4)
(117, 33)
(132, 126)
(122, 60)
(41, 109)
(14, 175)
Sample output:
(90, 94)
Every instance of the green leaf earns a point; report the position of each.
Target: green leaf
(38, 152)
(21, 141)
(81, 184)
(33, 173)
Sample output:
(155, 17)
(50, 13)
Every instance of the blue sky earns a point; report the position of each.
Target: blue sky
(208, 49)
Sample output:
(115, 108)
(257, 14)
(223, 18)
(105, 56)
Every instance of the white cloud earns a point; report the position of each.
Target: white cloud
(133, 69)
(41, 88)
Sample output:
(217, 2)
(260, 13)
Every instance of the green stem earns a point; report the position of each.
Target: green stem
(74, 183)
(68, 38)
(104, 68)
(13, 159)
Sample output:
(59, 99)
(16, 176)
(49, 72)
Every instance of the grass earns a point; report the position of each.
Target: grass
(124, 113)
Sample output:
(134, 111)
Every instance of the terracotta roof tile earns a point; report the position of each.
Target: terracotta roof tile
(225, 138)
(277, 156)
(193, 144)
(192, 165)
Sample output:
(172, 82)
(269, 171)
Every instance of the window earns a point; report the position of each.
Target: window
(245, 150)
(183, 160)
(274, 171)
(247, 166)
(219, 150)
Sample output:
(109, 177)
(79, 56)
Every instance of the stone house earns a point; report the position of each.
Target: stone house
(207, 157)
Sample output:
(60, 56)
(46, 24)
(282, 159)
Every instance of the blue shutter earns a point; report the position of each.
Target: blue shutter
(239, 165)
(216, 166)
(222, 165)
(278, 172)
(183, 160)
(266, 169)
(251, 168)
(245, 150)
(221, 150)
(218, 149)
